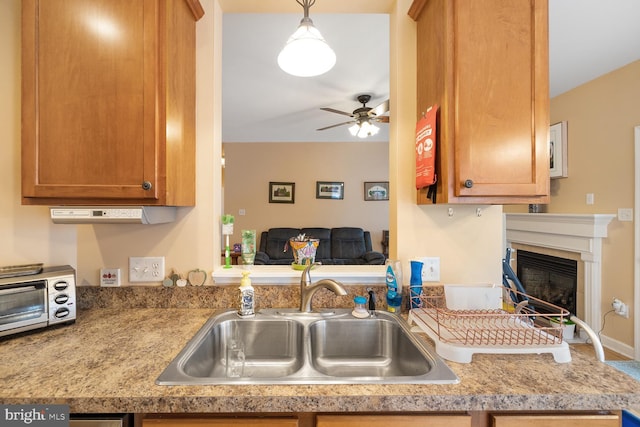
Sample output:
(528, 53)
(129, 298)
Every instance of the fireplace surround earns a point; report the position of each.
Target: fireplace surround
(577, 236)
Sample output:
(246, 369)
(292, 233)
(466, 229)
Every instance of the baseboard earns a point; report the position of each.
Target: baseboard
(617, 346)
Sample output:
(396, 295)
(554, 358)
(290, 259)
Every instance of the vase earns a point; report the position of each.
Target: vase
(304, 253)
(248, 247)
(415, 284)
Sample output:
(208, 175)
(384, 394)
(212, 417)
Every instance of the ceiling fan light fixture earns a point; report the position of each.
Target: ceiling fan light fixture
(368, 129)
(306, 53)
(364, 129)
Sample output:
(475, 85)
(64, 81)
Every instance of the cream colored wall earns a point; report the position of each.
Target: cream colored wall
(27, 234)
(601, 116)
(251, 166)
(470, 247)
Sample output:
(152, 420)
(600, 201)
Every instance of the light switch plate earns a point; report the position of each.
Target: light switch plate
(430, 269)
(146, 269)
(109, 277)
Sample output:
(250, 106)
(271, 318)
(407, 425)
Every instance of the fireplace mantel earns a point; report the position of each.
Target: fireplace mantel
(578, 233)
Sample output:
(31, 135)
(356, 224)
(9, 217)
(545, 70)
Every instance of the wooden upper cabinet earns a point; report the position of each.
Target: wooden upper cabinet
(108, 101)
(485, 63)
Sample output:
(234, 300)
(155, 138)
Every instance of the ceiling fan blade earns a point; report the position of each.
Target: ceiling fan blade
(339, 124)
(382, 119)
(332, 110)
(380, 109)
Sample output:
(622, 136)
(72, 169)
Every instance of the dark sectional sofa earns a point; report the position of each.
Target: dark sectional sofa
(338, 246)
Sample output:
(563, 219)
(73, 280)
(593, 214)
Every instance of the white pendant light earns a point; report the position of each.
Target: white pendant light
(306, 53)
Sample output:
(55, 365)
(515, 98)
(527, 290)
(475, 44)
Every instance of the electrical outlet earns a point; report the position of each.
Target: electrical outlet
(430, 269)
(620, 308)
(625, 214)
(146, 269)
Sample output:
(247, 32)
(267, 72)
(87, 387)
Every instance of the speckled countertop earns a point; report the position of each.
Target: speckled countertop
(109, 359)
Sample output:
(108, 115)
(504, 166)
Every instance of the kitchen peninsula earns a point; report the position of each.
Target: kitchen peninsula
(109, 359)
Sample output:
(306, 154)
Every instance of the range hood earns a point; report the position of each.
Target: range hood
(112, 214)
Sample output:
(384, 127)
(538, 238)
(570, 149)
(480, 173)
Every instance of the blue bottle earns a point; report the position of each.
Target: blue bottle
(415, 283)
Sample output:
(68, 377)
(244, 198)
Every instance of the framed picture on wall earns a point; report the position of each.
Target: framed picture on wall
(376, 190)
(329, 190)
(558, 151)
(282, 192)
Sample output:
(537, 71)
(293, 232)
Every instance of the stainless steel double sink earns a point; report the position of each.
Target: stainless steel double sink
(286, 346)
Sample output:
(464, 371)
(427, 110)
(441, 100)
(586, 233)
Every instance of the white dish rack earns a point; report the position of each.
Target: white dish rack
(523, 324)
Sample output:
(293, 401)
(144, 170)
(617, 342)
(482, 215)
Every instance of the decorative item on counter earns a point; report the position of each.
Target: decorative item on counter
(394, 286)
(360, 311)
(248, 253)
(197, 277)
(247, 301)
(171, 280)
(415, 284)
(304, 250)
(568, 327)
(237, 248)
(227, 229)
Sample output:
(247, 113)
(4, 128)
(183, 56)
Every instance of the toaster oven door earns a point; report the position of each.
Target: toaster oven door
(23, 306)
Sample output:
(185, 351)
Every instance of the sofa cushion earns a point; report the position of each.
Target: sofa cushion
(275, 243)
(342, 246)
(347, 243)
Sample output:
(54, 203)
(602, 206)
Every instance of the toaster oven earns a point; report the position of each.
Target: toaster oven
(37, 300)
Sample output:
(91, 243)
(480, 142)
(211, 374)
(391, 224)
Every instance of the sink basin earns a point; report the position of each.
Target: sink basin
(272, 348)
(374, 348)
(285, 346)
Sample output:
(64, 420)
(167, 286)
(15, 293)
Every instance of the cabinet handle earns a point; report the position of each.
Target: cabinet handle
(468, 183)
(147, 185)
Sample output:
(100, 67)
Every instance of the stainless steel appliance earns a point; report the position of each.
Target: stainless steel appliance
(37, 298)
(101, 420)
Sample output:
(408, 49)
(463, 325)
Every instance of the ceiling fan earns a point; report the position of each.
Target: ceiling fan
(363, 117)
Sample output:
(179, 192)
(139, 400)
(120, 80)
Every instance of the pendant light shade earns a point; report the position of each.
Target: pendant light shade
(306, 53)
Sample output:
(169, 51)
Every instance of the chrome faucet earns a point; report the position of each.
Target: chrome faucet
(308, 290)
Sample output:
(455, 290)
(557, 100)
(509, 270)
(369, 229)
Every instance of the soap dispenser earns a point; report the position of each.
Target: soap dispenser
(247, 302)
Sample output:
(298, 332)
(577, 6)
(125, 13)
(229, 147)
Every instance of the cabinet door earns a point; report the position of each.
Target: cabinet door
(393, 420)
(90, 93)
(558, 420)
(220, 422)
(485, 63)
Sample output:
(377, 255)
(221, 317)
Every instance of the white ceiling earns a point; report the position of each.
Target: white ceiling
(261, 103)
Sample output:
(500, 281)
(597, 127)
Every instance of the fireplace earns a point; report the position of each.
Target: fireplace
(549, 278)
(570, 236)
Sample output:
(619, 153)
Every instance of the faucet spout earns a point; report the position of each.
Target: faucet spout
(308, 290)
